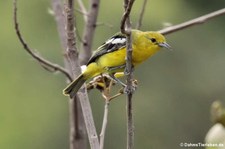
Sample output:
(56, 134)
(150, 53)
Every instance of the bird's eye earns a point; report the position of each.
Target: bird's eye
(153, 40)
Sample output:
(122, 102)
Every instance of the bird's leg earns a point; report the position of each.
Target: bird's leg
(133, 88)
(116, 67)
(117, 80)
(112, 75)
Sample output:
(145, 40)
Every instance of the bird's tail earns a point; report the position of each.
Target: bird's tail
(74, 86)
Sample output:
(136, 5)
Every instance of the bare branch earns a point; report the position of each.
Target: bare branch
(88, 118)
(196, 21)
(129, 90)
(139, 23)
(60, 19)
(108, 83)
(73, 66)
(82, 93)
(77, 127)
(77, 138)
(126, 29)
(89, 31)
(71, 41)
(44, 63)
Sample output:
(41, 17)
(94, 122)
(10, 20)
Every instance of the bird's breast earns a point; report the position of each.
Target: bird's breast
(140, 54)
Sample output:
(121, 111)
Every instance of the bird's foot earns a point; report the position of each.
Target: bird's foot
(132, 88)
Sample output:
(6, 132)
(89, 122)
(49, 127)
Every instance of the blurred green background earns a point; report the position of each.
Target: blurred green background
(175, 88)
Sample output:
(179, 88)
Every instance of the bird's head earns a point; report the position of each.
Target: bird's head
(156, 39)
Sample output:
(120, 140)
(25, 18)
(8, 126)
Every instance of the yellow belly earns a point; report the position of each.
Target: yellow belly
(113, 59)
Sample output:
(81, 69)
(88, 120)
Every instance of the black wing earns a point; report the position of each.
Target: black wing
(115, 43)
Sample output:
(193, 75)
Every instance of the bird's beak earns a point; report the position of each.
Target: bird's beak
(165, 45)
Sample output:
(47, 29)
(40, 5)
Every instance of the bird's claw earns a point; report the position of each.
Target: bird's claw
(130, 89)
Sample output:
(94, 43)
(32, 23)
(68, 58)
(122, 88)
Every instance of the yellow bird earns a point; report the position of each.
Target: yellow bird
(110, 56)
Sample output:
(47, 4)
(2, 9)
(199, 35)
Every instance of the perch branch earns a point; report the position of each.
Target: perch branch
(196, 21)
(44, 63)
(126, 29)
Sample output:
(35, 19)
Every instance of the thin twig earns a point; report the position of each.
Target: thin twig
(44, 63)
(104, 124)
(126, 29)
(83, 10)
(106, 95)
(79, 38)
(196, 21)
(82, 93)
(139, 23)
(104, 24)
(89, 31)
(115, 96)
